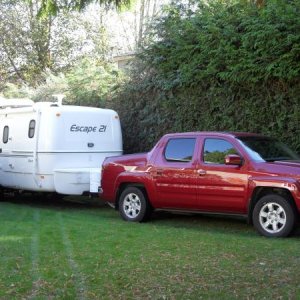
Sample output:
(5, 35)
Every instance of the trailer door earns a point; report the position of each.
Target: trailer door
(17, 140)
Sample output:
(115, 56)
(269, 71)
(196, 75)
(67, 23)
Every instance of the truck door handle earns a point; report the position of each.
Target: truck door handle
(158, 172)
(201, 172)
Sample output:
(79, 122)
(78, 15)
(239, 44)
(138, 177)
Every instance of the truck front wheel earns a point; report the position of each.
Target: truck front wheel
(273, 216)
(133, 205)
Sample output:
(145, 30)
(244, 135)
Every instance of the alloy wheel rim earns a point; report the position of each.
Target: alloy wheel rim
(272, 217)
(132, 205)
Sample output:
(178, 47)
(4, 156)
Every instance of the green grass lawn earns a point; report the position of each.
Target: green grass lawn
(65, 250)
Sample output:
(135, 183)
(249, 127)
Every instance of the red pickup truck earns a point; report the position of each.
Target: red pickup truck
(210, 172)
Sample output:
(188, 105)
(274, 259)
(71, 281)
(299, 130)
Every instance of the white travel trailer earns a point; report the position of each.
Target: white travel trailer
(49, 147)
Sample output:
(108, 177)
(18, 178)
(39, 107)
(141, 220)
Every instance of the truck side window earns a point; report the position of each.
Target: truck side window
(215, 151)
(180, 149)
(5, 134)
(31, 129)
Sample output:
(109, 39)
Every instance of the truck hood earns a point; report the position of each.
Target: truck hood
(280, 168)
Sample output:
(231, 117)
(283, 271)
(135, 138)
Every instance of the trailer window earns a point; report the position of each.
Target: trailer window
(31, 129)
(5, 134)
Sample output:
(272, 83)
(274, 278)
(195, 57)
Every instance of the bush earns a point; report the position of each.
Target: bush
(90, 83)
(11, 90)
(225, 65)
(93, 83)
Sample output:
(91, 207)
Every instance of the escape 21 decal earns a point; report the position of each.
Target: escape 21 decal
(88, 129)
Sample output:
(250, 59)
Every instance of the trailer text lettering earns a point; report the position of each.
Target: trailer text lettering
(87, 129)
(102, 128)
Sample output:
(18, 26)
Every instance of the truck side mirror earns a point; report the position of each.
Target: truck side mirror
(233, 159)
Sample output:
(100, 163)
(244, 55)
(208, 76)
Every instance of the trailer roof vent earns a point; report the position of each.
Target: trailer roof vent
(59, 98)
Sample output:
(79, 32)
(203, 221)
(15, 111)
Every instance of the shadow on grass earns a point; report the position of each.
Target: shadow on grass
(207, 222)
(203, 222)
(213, 223)
(55, 202)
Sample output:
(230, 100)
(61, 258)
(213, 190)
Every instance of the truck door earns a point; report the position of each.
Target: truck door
(175, 174)
(221, 187)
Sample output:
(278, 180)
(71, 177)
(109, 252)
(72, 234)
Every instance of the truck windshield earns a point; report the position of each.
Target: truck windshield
(267, 149)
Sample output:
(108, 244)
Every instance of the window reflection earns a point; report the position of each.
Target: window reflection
(215, 151)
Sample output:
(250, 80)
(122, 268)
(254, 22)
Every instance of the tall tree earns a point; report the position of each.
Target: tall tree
(134, 23)
(52, 7)
(24, 40)
(29, 45)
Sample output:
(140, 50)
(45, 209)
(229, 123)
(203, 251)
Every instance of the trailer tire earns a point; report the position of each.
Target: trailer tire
(134, 205)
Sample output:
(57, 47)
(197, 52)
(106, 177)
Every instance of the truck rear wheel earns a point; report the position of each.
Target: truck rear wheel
(133, 205)
(273, 216)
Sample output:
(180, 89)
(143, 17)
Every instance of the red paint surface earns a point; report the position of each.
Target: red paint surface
(196, 185)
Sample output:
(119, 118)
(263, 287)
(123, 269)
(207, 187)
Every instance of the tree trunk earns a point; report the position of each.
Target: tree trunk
(141, 27)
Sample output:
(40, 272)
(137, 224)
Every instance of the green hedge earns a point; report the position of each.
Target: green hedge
(226, 65)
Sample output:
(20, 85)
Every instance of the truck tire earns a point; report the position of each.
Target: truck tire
(133, 205)
(274, 216)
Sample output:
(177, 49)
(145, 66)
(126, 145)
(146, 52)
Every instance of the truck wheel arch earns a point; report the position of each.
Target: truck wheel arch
(261, 191)
(125, 185)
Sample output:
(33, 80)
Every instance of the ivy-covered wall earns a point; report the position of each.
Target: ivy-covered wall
(226, 66)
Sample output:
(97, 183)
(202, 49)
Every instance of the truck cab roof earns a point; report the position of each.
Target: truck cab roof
(215, 133)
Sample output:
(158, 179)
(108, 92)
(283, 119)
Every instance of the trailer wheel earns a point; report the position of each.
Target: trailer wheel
(133, 205)
(274, 216)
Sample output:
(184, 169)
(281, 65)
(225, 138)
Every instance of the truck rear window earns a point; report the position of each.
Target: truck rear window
(180, 149)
